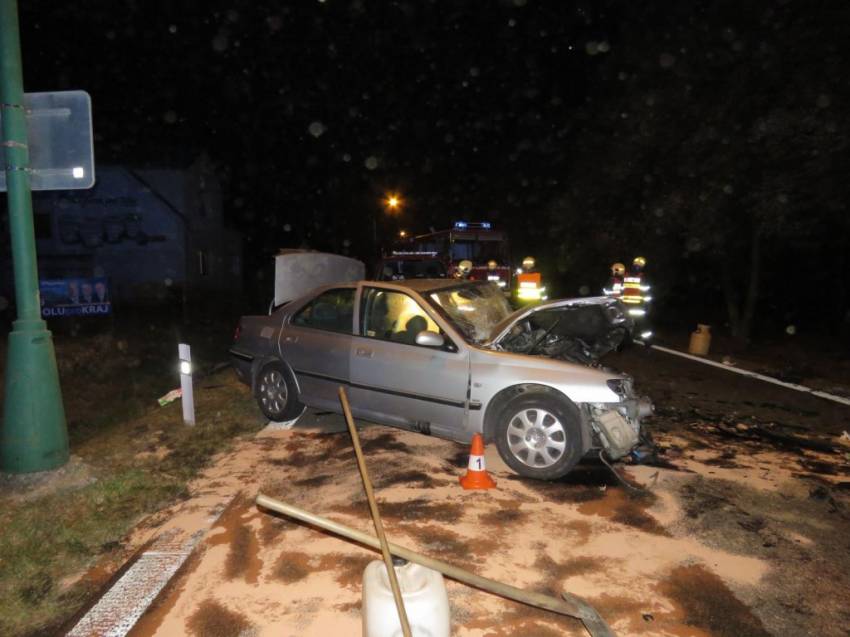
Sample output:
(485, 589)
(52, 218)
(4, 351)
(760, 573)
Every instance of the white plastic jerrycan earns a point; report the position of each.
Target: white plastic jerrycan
(425, 600)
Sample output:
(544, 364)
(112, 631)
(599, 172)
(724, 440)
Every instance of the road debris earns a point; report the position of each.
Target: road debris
(376, 516)
(170, 397)
(569, 605)
(764, 432)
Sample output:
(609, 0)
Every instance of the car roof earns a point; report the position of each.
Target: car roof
(426, 285)
(422, 286)
(410, 257)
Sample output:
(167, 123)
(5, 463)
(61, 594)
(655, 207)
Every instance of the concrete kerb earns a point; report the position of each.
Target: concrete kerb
(117, 610)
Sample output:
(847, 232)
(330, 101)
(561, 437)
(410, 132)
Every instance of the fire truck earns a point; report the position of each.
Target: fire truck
(486, 248)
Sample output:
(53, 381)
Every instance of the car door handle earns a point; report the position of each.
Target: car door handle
(290, 339)
(362, 351)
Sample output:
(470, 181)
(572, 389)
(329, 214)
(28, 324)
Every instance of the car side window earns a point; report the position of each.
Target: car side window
(393, 316)
(332, 311)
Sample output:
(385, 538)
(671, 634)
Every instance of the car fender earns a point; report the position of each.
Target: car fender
(498, 401)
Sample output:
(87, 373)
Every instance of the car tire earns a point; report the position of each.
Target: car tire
(276, 393)
(538, 435)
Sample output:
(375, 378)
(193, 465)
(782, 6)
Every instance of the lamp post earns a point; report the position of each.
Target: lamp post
(392, 203)
(33, 434)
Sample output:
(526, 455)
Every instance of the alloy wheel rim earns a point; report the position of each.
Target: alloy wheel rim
(536, 437)
(273, 392)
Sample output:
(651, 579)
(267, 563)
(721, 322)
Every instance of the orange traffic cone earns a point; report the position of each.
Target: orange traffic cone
(476, 474)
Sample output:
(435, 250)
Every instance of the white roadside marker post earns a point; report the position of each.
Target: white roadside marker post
(185, 355)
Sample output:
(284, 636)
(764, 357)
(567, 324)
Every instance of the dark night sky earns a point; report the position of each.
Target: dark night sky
(319, 107)
(689, 130)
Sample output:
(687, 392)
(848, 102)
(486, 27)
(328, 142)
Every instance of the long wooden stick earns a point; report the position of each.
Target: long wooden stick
(376, 517)
(570, 605)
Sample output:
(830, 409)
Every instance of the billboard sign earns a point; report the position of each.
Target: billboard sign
(79, 296)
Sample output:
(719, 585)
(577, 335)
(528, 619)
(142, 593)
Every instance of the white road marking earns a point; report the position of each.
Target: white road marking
(745, 372)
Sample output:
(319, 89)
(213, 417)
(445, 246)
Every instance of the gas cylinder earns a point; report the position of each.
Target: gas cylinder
(425, 601)
(700, 340)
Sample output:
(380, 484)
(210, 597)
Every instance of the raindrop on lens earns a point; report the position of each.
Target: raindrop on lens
(219, 43)
(666, 60)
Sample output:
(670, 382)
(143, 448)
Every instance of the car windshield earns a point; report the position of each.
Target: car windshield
(474, 308)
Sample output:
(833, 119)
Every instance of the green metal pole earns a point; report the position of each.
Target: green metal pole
(33, 434)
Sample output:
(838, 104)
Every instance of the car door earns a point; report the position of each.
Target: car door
(396, 381)
(316, 343)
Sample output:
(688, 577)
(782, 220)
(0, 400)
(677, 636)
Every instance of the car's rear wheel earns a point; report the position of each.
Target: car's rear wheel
(539, 435)
(276, 393)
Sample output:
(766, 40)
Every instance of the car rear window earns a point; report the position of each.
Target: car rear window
(332, 311)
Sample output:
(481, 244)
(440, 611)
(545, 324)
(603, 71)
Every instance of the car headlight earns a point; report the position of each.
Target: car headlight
(620, 386)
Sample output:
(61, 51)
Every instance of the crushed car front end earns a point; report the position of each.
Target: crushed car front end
(617, 426)
(567, 338)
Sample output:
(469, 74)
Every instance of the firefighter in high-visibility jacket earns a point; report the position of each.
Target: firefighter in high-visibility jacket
(614, 288)
(529, 286)
(636, 295)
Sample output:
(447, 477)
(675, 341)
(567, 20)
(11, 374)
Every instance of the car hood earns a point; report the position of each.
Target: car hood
(577, 330)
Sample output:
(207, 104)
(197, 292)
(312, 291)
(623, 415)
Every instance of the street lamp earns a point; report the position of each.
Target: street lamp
(392, 203)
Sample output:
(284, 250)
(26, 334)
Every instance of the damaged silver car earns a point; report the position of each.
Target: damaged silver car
(449, 358)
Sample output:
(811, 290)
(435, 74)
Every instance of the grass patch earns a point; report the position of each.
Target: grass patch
(141, 465)
(44, 540)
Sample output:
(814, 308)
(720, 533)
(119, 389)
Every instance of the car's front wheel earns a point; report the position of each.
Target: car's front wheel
(539, 435)
(276, 393)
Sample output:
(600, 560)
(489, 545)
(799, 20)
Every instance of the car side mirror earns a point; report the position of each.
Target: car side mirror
(428, 338)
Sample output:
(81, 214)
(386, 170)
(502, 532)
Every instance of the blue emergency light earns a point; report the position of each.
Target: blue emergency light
(463, 225)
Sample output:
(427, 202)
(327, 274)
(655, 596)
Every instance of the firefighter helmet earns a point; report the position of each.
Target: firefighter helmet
(464, 268)
(618, 269)
(528, 263)
(492, 265)
(639, 262)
